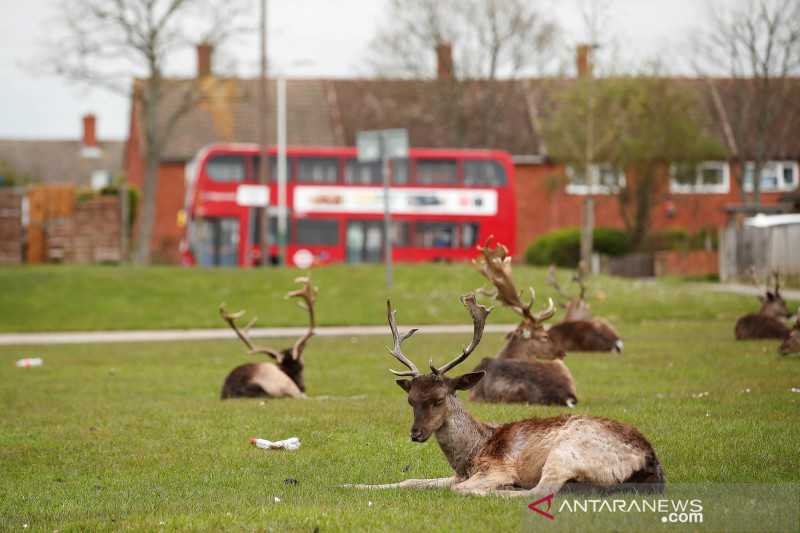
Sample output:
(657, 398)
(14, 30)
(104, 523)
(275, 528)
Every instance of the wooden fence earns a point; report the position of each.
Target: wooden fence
(765, 248)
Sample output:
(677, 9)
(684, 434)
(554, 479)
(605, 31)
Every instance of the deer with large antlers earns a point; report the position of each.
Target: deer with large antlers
(536, 456)
(767, 322)
(529, 367)
(285, 377)
(578, 330)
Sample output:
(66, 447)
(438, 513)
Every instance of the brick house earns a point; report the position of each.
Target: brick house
(81, 162)
(439, 113)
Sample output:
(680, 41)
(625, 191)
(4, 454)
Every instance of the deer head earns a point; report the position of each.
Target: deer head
(429, 394)
(772, 303)
(577, 308)
(289, 360)
(495, 265)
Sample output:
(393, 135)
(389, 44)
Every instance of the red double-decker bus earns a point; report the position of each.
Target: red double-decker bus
(443, 202)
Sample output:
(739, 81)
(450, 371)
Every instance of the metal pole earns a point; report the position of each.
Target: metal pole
(262, 133)
(387, 216)
(283, 212)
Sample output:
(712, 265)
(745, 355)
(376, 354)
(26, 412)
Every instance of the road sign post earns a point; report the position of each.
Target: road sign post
(384, 145)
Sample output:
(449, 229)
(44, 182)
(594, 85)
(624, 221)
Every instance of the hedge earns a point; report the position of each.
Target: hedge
(562, 247)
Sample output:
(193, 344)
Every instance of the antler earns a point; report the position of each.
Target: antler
(479, 314)
(777, 276)
(580, 275)
(553, 282)
(398, 341)
(231, 318)
(495, 265)
(307, 295)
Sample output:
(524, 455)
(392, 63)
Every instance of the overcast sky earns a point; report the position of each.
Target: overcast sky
(307, 38)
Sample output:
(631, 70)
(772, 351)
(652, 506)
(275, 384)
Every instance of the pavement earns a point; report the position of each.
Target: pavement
(165, 335)
(735, 288)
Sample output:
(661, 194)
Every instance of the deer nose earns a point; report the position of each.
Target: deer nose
(416, 435)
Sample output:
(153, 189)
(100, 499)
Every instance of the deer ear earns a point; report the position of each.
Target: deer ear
(770, 296)
(467, 381)
(404, 384)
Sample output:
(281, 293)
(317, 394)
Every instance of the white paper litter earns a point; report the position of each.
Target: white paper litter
(30, 361)
(292, 443)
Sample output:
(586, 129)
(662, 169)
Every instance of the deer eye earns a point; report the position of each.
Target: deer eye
(438, 402)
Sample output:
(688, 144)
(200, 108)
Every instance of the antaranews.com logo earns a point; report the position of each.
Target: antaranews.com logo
(671, 511)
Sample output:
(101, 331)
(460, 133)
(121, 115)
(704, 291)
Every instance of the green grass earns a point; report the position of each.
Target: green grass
(112, 437)
(67, 298)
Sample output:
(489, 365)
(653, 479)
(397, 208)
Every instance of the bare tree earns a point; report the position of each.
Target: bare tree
(109, 43)
(755, 46)
(491, 38)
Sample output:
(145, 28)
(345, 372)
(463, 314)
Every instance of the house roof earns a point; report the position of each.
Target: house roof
(437, 113)
(60, 161)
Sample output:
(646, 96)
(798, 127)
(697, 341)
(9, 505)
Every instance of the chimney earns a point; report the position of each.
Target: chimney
(89, 135)
(444, 61)
(583, 60)
(204, 52)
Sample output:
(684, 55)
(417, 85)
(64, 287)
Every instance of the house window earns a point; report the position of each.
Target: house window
(318, 170)
(604, 179)
(437, 171)
(359, 173)
(226, 168)
(706, 177)
(484, 173)
(775, 176)
(316, 232)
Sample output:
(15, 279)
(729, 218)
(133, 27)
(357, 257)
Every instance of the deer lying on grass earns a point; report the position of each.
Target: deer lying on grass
(537, 455)
(529, 367)
(578, 331)
(792, 343)
(766, 323)
(285, 377)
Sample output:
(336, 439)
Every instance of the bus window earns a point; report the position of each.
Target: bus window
(316, 232)
(399, 171)
(359, 173)
(484, 173)
(437, 171)
(226, 168)
(445, 235)
(318, 170)
(255, 228)
(215, 241)
(272, 171)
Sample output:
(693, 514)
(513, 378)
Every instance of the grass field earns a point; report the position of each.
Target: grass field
(133, 436)
(67, 298)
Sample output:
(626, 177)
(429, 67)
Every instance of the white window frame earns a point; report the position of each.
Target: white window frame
(597, 188)
(781, 165)
(702, 188)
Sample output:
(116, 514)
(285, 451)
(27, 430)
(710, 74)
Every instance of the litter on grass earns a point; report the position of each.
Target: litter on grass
(29, 362)
(292, 443)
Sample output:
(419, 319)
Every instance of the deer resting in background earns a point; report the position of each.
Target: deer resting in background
(792, 343)
(285, 377)
(767, 323)
(537, 456)
(529, 367)
(578, 331)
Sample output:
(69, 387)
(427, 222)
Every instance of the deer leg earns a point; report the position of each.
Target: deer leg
(484, 483)
(555, 473)
(409, 484)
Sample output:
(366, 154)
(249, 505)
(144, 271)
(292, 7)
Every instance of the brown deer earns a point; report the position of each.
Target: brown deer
(579, 331)
(538, 456)
(285, 377)
(766, 323)
(529, 367)
(792, 343)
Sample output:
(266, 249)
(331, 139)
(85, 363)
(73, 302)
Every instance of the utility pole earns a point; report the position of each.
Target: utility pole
(263, 218)
(587, 216)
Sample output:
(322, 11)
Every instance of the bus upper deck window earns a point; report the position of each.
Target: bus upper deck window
(228, 168)
(399, 171)
(437, 171)
(484, 173)
(318, 170)
(359, 173)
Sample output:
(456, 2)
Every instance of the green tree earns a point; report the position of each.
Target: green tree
(642, 125)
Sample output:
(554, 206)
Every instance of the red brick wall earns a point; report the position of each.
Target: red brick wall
(543, 205)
